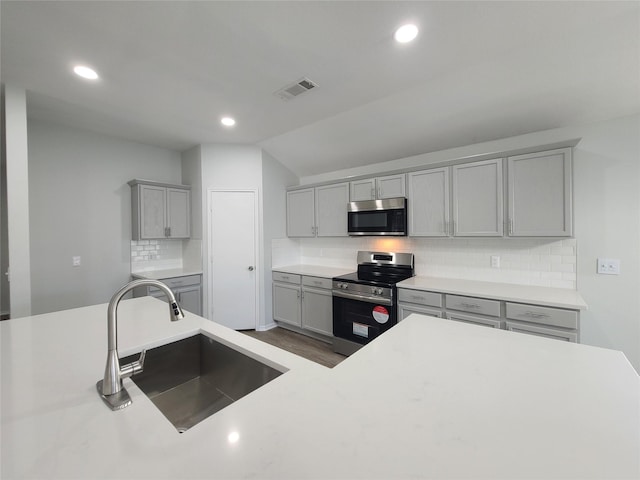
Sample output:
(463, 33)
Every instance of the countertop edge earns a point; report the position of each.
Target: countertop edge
(530, 294)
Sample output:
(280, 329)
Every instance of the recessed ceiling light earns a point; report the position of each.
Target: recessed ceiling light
(228, 121)
(85, 72)
(406, 33)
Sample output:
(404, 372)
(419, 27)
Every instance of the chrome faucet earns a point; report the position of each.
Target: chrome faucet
(110, 387)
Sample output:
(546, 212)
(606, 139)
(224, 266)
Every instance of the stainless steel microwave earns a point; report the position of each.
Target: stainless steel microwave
(378, 217)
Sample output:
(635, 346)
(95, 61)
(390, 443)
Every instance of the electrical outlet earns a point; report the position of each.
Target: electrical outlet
(495, 261)
(76, 261)
(609, 266)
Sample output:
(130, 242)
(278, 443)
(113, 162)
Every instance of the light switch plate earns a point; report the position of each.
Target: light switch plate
(608, 266)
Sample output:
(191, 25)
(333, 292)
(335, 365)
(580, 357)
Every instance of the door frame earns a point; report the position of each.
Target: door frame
(208, 261)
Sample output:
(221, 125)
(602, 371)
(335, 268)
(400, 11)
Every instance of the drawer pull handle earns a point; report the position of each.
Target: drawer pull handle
(317, 282)
(470, 305)
(535, 315)
(284, 277)
(416, 297)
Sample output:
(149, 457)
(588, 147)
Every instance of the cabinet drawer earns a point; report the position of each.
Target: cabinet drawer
(476, 320)
(473, 305)
(422, 298)
(286, 277)
(546, 332)
(176, 282)
(555, 317)
(317, 282)
(173, 283)
(405, 310)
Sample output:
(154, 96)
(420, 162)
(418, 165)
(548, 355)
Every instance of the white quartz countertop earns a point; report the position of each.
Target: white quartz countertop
(554, 297)
(314, 270)
(429, 398)
(167, 273)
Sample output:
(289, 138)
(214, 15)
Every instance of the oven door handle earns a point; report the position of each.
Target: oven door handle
(362, 298)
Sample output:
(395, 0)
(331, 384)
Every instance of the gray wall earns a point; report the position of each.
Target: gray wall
(80, 205)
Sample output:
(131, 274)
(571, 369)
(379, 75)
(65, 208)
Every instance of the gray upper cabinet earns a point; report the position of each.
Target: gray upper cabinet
(159, 210)
(331, 210)
(429, 212)
(463, 200)
(539, 194)
(301, 219)
(390, 186)
(319, 211)
(477, 199)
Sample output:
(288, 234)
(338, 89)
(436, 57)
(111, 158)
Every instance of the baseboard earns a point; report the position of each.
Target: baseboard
(269, 326)
(308, 333)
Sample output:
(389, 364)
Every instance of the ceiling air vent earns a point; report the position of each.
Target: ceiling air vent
(295, 89)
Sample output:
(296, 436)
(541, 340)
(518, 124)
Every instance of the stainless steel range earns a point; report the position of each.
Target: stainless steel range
(364, 302)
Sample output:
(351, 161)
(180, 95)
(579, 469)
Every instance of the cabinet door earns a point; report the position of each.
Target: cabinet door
(405, 310)
(190, 299)
(301, 213)
(362, 190)
(539, 194)
(286, 303)
(391, 186)
(178, 213)
(429, 209)
(152, 211)
(331, 210)
(477, 199)
(474, 319)
(547, 332)
(317, 311)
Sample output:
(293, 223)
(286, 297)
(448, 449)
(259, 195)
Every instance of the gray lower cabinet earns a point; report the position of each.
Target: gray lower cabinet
(558, 323)
(286, 303)
(187, 290)
(303, 301)
(417, 301)
(544, 321)
(479, 311)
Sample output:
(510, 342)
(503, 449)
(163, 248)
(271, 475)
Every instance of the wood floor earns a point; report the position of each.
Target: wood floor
(307, 347)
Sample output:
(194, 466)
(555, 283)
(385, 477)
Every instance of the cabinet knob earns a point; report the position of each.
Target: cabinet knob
(251, 269)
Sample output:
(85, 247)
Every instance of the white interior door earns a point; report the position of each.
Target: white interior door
(233, 276)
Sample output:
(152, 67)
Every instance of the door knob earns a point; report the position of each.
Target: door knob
(251, 269)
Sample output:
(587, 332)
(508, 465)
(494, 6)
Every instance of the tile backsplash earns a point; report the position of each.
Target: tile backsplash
(526, 261)
(155, 254)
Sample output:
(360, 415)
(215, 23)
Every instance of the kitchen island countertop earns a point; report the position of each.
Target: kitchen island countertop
(429, 398)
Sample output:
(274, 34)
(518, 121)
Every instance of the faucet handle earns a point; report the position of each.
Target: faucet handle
(135, 367)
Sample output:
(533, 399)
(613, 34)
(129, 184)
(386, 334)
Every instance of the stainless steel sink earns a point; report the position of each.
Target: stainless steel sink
(191, 379)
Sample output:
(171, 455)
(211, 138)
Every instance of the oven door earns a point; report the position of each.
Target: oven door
(361, 319)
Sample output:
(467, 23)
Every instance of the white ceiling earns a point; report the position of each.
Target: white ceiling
(478, 71)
